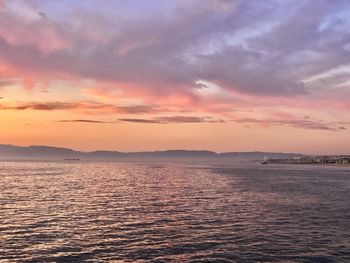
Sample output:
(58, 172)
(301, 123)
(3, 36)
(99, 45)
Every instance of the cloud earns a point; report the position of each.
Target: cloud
(233, 45)
(295, 123)
(137, 109)
(187, 119)
(43, 15)
(49, 106)
(140, 120)
(185, 57)
(174, 119)
(86, 121)
(81, 106)
(7, 82)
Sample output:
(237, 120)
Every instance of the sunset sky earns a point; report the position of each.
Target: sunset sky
(136, 75)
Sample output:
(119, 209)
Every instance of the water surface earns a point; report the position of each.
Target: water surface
(100, 212)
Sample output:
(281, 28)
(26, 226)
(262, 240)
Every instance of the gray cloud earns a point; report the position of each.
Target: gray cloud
(137, 109)
(295, 123)
(82, 105)
(7, 82)
(86, 121)
(42, 15)
(174, 119)
(49, 106)
(140, 120)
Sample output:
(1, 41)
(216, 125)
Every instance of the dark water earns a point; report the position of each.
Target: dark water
(100, 212)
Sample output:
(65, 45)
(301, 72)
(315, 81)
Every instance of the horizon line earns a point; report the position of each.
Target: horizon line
(172, 149)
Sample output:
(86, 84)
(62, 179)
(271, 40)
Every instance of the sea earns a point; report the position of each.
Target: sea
(173, 212)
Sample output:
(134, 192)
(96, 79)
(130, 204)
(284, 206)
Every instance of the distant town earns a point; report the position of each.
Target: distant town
(326, 159)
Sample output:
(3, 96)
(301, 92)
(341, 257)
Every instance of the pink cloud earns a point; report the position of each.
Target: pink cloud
(160, 68)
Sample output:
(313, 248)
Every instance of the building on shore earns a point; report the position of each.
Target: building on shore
(326, 159)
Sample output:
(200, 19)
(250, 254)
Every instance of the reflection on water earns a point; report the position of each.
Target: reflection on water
(98, 212)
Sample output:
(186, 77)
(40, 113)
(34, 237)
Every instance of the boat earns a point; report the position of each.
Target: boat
(265, 161)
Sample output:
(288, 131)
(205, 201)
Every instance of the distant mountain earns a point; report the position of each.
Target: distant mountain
(11, 152)
(36, 152)
(175, 154)
(258, 155)
(156, 154)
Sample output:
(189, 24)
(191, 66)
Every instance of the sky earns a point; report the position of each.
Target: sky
(138, 75)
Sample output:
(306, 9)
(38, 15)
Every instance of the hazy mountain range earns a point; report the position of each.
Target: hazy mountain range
(11, 152)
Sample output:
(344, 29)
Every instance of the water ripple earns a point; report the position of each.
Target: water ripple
(100, 212)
